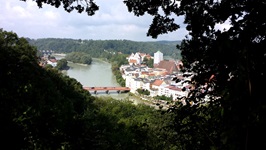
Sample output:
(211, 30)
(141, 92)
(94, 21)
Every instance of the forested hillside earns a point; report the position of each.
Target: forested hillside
(96, 47)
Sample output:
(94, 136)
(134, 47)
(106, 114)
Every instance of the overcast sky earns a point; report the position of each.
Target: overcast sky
(112, 21)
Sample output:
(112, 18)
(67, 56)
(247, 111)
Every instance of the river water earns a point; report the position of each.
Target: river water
(99, 73)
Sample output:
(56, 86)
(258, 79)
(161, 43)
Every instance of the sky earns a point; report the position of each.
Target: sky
(112, 21)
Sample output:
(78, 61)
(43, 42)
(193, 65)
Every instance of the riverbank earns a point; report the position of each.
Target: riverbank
(99, 73)
(78, 63)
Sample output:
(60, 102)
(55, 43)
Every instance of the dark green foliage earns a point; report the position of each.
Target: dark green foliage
(38, 107)
(89, 6)
(62, 64)
(79, 57)
(163, 97)
(230, 63)
(117, 60)
(200, 127)
(143, 91)
(148, 62)
(133, 127)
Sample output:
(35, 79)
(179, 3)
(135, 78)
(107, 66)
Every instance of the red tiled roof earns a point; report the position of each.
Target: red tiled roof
(142, 54)
(170, 66)
(174, 88)
(157, 82)
(53, 60)
(132, 61)
(145, 73)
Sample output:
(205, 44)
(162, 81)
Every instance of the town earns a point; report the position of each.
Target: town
(159, 80)
(165, 79)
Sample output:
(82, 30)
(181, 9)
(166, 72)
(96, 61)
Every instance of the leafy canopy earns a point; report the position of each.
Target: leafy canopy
(88, 6)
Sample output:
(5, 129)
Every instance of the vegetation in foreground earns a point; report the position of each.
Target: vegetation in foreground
(40, 108)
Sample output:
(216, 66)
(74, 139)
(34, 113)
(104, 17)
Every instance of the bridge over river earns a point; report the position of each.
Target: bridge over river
(107, 90)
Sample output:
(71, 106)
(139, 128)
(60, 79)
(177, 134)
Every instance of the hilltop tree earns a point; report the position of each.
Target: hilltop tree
(88, 6)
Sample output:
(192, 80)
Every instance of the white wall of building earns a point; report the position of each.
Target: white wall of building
(164, 90)
(158, 56)
(54, 64)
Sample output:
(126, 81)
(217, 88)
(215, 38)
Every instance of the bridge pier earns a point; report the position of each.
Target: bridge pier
(95, 90)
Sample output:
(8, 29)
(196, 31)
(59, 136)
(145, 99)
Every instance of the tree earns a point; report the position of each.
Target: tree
(143, 91)
(79, 57)
(38, 106)
(89, 6)
(62, 64)
(229, 62)
(148, 62)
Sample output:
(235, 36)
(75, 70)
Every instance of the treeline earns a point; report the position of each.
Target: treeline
(117, 60)
(96, 47)
(79, 57)
(62, 64)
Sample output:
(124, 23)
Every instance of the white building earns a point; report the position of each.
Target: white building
(146, 84)
(52, 62)
(158, 56)
(173, 91)
(136, 83)
(135, 59)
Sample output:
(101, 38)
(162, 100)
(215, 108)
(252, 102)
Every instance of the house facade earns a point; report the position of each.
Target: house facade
(158, 56)
(137, 58)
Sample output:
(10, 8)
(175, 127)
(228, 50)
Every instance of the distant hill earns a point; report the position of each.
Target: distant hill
(169, 42)
(96, 47)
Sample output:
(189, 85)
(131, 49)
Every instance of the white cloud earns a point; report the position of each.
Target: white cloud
(21, 12)
(112, 21)
(52, 16)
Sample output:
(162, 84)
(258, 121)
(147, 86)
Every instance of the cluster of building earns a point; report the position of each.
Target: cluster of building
(46, 58)
(157, 80)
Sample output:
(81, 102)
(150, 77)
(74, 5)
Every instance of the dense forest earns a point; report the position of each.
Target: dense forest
(96, 47)
(79, 57)
(62, 64)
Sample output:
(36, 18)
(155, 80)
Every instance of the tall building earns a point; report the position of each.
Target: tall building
(158, 56)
